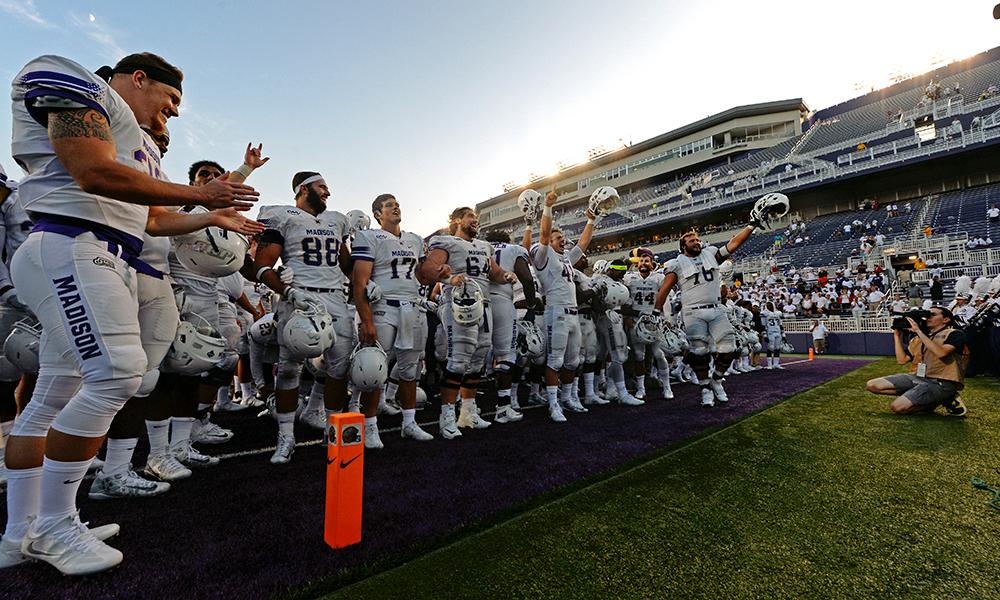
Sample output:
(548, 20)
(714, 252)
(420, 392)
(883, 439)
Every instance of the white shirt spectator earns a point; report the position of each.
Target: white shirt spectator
(993, 212)
(819, 332)
(875, 296)
(788, 309)
(900, 306)
(847, 229)
(879, 239)
(858, 310)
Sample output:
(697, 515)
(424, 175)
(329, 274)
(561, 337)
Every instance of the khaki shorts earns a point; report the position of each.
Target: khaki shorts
(819, 345)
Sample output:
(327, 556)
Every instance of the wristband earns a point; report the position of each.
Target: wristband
(591, 221)
(261, 271)
(245, 170)
(547, 212)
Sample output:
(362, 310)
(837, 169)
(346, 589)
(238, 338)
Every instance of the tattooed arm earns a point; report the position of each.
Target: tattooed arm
(82, 140)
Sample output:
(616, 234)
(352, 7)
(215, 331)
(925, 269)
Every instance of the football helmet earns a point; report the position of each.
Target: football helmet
(600, 266)
(421, 398)
(530, 202)
(603, 201)
(647, 330)
(726, 268)
(467, 304)
(264, 330)
(616, 295)
(529, 339)
(369, 367)
(786, 348)
(308, 331)
(197, 346)
(670, 343)
(770, 206)
(213, 251)
(21, 346)
(357, 220)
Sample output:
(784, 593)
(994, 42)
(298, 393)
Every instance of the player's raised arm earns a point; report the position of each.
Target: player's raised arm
(545, 229)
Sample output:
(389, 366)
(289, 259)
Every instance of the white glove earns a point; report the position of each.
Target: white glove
(429, 305)
(10, 299)
(300, 298)
(287, 275)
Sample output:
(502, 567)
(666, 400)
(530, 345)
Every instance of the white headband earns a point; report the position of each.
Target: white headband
(309, 180)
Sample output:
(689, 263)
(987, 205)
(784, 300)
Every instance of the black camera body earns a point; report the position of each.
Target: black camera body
(900, 323)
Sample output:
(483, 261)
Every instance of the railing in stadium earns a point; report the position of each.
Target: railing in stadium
(841, 324)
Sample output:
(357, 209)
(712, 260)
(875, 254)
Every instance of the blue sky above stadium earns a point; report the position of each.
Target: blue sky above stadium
(443, 102)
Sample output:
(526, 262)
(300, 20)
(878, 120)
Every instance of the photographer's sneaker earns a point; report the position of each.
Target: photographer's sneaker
(955, 407)
(125, 484)
(414, 432)
(69, 546)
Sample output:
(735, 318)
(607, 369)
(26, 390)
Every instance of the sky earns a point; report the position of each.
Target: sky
(442, 102)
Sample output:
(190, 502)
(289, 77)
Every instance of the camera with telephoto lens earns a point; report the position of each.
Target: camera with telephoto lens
(900, 323)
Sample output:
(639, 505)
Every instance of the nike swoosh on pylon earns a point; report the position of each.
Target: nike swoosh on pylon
(344, 465)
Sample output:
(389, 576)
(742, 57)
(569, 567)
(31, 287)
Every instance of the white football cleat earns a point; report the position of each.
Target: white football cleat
(384, 408)
(69, 546)
(628, 399)
(778, 366)
(449, 429)
(719, 391)
(595, 400)
(283, 453)
(611, 393)
(314, 418)
(96, 465)
(372, 440)
(506, 414)
(469, 417)
(229, 406)
(125, 485)
(10, 549)
(165, 468)
(188, 455)
(573, 405)
(707, 397)
(537, 398)
(414, 432)
(354, 404)
(204, 431)
(556, 413)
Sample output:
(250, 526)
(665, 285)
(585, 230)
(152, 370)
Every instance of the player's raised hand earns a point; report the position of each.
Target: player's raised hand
(252, 157)
(551, 197)
(222, 193)
(231, 219)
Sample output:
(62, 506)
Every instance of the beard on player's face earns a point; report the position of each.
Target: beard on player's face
(315, 201)
(692, 247)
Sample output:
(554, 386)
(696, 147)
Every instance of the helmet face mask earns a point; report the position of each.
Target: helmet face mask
(529, 339)
(356, 221)
(307, 333)
(197, 347)
(467, 303)
(603, 201)
(212, 251)
(530, 202)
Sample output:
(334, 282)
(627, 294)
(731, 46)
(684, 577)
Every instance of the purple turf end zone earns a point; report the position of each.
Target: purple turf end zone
(249, 529)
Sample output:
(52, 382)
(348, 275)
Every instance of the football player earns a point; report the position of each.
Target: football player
(771, 319)
(695, 272)
(312, 241)
(643, 284)
(465, 266)
(562, 327)
(388, 258)
(611, 331)
(513, 259)
(88, 188)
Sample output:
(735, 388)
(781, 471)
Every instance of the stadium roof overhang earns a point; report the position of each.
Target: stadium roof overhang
(737, 112)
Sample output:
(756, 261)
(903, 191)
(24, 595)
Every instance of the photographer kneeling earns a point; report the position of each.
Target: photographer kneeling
(939, 356)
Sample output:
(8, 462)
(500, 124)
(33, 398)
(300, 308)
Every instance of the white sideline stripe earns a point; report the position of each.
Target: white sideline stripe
(256, 451)
(561, 500)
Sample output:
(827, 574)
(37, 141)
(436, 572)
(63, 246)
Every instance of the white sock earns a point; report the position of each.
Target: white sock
(286, 424)
(390, 391)
(159, 436)
(552, 393)
(513, 390)
(777, 360)
(180, 429)
(316, 396)
(534, 389)
(247, 391)
(565, 392)
(60, 482)
(622, 389)
(588, 384)
(371, 421)
(24, 493)
(119, 455)
(224, 395)
(409, 416)
(503, 398)
(640, 384)
(574, 389)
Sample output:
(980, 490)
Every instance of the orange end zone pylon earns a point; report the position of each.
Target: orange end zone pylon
(811, 355)
(345, 462)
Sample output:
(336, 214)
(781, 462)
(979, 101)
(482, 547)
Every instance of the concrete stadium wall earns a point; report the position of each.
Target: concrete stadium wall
(873, 344)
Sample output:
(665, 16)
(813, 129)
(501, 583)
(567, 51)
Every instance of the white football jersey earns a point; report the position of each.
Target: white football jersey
(230, 287)
(555, 273)
(394, 261)
(469, 258)
(506, 255)
(642, 291)
(771, 320)
(155, 249)
(49, 188)
(704, 286)
(310, 244)
(201, 285)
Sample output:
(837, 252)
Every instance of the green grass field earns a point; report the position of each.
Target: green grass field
(825, 495)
